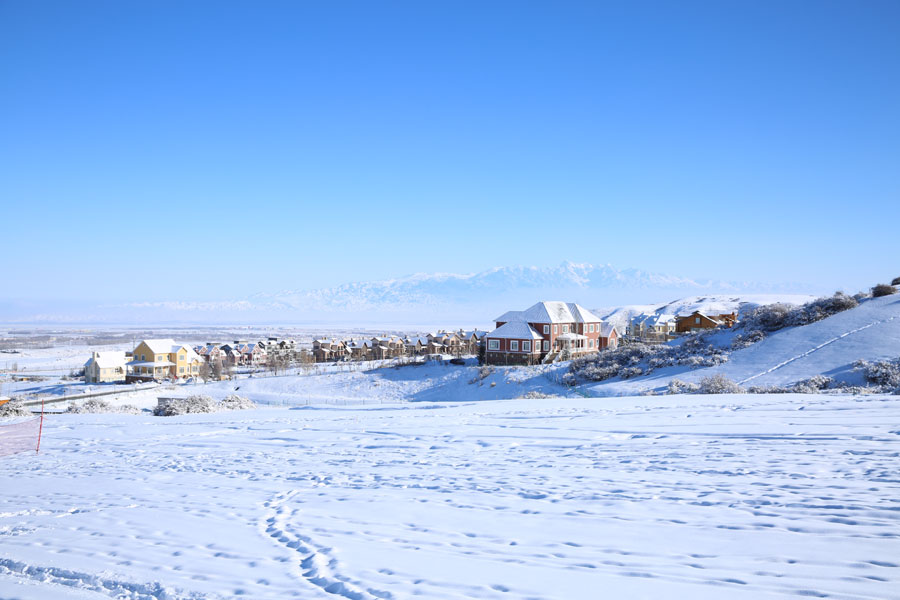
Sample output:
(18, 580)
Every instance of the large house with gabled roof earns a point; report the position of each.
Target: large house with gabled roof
(545, 332)
(162, 359)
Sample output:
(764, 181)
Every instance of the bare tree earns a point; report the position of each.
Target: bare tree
(205, 371)
(216, 369)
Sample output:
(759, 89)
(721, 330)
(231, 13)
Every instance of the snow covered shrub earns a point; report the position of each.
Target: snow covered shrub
(235, 402)
(14, 408)
(483, 373)
(895, 281)
(884, 373)
(95, 406)
(813, 385)
(676, 386)
(535, 395)
(719, 384)
(184, 406)
(773, 317)
(629, 372)
(882, 289)
(748, 339)
(768, 389)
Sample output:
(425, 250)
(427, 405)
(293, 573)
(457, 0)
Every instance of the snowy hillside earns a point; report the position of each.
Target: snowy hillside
(712, 304)
(829, 347)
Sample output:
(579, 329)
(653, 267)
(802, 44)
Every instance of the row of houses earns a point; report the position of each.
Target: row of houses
(653, 327)
(542, 333)
(456, 343)
(156, 359)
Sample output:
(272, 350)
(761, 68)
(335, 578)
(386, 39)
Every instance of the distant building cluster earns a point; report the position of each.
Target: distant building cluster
(159, 359)
(543, 333)
(653, 327)
(455, 343)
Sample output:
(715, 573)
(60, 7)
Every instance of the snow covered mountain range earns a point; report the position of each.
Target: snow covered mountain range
(423, 298)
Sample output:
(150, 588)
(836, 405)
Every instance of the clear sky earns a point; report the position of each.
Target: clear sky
(204, 150)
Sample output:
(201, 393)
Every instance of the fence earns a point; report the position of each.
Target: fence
(21, 436)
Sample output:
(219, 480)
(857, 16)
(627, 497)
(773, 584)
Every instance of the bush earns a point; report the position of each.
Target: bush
(813, 385)
(235, 402)
(535, 395)
(884, 373)
(629, 372)
(95, 406)
(676, 386)
(748, 339)
(719, 384)
(773, 317)
(184, 406)
(483, 373)
(14, 408)
(883, 289)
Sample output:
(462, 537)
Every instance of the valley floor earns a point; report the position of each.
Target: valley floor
(752, 496)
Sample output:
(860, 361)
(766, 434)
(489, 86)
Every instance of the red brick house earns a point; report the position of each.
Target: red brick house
(546, 332)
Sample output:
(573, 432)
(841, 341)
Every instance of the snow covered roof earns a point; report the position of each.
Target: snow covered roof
(517, 330)
(606, 329)
(551, 312)
(161, 345)
(105, 360)
(190, 355)
(652, 319)
(510, 315)
(572, 337)
(147, 363)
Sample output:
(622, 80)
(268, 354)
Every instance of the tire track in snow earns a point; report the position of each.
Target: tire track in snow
(819, 347)
(316, 566)
(114, 588)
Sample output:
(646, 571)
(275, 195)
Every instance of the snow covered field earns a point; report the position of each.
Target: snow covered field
(752, 496)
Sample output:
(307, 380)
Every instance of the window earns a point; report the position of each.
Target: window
(142, 357)
(696, 320)
(526, 346)
(555, 329)
(181, 369)
(565, 329)
(546, 330)
(513, 345)
(546, 345)
(493, 344)
(591, 328)
(591, 343)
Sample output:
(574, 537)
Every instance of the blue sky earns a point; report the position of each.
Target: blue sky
(211, 150)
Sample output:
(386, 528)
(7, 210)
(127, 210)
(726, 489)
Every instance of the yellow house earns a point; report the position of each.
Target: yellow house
(163, 359)
(105, 367)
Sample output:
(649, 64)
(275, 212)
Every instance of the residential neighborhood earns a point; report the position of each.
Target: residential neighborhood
(546, 332)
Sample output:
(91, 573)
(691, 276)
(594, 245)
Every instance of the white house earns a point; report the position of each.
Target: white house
(105, 367)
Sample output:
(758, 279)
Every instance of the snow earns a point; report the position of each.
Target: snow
(515, 330)
(112, 358)
(162, 346)
(551, 312)
(829, 347)
(745, 496)
(712, 304)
